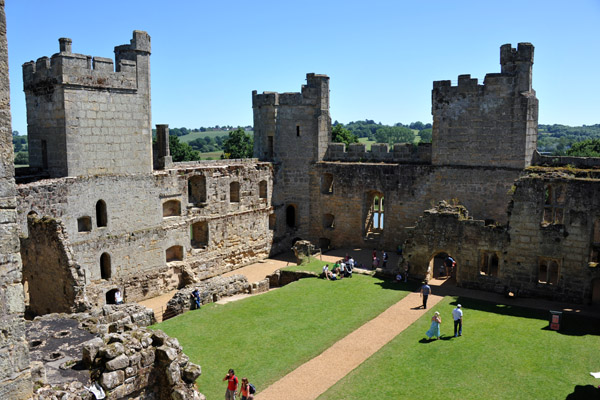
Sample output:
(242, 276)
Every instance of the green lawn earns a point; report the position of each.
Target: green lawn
(504, 353)
(265, 337)
(212, 155)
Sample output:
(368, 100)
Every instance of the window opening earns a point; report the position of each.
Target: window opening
(105, 268)
(234, 192)
(262, 189)
(548, 271)
(171, 208)
(327, 183)
(101, 217)
(554, 204)
(298, 130)
(197, 189)
(272, 221)
(375, 214)
(328, 221)
(84, 224)
(174, 253)
(489, 263)
(290, 216)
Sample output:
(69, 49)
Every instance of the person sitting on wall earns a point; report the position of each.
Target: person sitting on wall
(349, 268)
(350, 263)
(118, 297)
(196, 298)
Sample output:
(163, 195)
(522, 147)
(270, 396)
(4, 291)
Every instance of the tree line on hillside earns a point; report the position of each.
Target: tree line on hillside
(186, 131)
(397, 133)
(577, 141)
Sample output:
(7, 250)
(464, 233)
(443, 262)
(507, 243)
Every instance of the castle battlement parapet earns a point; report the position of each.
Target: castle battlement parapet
(380, 152)
(72, 69)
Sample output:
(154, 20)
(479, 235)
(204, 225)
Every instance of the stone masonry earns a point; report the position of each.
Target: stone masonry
(15, 375)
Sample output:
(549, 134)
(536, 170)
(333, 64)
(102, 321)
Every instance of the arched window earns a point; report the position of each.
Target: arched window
(101, 217)
(554, 204)
(197, 189)
(375, 213)
(290, 216)
(105, 268)
(234, 192)
(548, 271)
(171, 208)
(174, 253)
(262, 189)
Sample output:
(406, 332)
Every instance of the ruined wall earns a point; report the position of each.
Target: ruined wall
(151, 228)
(494, 124)
(15, 376)
(555, 217)
(86, 118)
(292, 130)
(405, 153)
(407, 190)
(54, 282)
(449, 229)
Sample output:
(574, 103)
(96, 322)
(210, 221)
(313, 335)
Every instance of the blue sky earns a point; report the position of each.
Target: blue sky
(381, 56)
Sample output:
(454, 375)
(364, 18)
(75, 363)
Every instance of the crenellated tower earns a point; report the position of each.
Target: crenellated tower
(89, 115)
(293, 130)
(494, 124)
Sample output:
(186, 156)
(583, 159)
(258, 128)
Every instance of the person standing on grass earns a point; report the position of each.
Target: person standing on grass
(232, 384)
(425, 292)
(434, 329)
(457, 314)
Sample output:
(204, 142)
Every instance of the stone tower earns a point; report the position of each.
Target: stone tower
(494, 124)
(15, 376)
(86, 118)
(293, 131)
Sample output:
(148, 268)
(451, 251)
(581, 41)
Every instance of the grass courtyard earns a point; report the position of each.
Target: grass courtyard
(505, 352)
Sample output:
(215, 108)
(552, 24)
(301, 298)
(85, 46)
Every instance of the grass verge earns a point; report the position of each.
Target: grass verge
(265, 337)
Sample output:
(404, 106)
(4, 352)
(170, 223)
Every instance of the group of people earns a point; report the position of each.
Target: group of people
(341, 269)
(246, 389)
(436, 321)
(377, 262)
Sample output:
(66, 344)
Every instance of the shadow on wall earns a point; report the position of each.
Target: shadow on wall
(571, 324)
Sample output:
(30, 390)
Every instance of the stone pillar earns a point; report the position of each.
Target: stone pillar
(162, 141)
(15, 375)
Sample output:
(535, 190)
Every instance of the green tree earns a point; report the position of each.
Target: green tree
(340, 134)
(394, 134)
(22, 158)
(425, 135)
(238, 144)
(587, 148)
(182, 151)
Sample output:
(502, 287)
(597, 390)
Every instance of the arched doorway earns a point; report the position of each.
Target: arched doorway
(441, 266)
(110, 296)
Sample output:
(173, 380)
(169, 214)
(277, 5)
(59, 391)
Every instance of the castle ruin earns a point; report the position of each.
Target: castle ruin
(102, 209)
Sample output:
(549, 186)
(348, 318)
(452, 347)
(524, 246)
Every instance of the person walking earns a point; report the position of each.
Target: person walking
(232, 384)
(434, 329)
(425, 292)
(457, 314)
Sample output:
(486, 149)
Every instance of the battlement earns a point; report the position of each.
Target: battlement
(314, 93)
(72, 69)
(405, 153)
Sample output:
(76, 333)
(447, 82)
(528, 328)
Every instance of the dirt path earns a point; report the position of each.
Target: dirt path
(348, 353)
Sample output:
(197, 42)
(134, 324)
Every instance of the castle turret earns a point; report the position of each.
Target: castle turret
(494, 124)
(86, 117)
(293, 130)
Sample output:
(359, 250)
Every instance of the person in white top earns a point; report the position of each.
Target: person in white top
(457, 314)
(118, 297)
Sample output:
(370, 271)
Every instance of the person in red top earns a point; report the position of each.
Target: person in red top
(232, 384)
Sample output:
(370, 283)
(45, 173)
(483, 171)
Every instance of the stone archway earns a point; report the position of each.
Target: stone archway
(437, 268)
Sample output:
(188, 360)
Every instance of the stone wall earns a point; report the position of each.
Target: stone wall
(407, 190)
(211, 290)
(147, 216)
(405, 153)
(15, 376)
(84, 117)
(494, 124)
(549, 248)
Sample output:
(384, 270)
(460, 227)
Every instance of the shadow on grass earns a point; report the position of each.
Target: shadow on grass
(584, 393)
(571, 324)
(391, 284)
